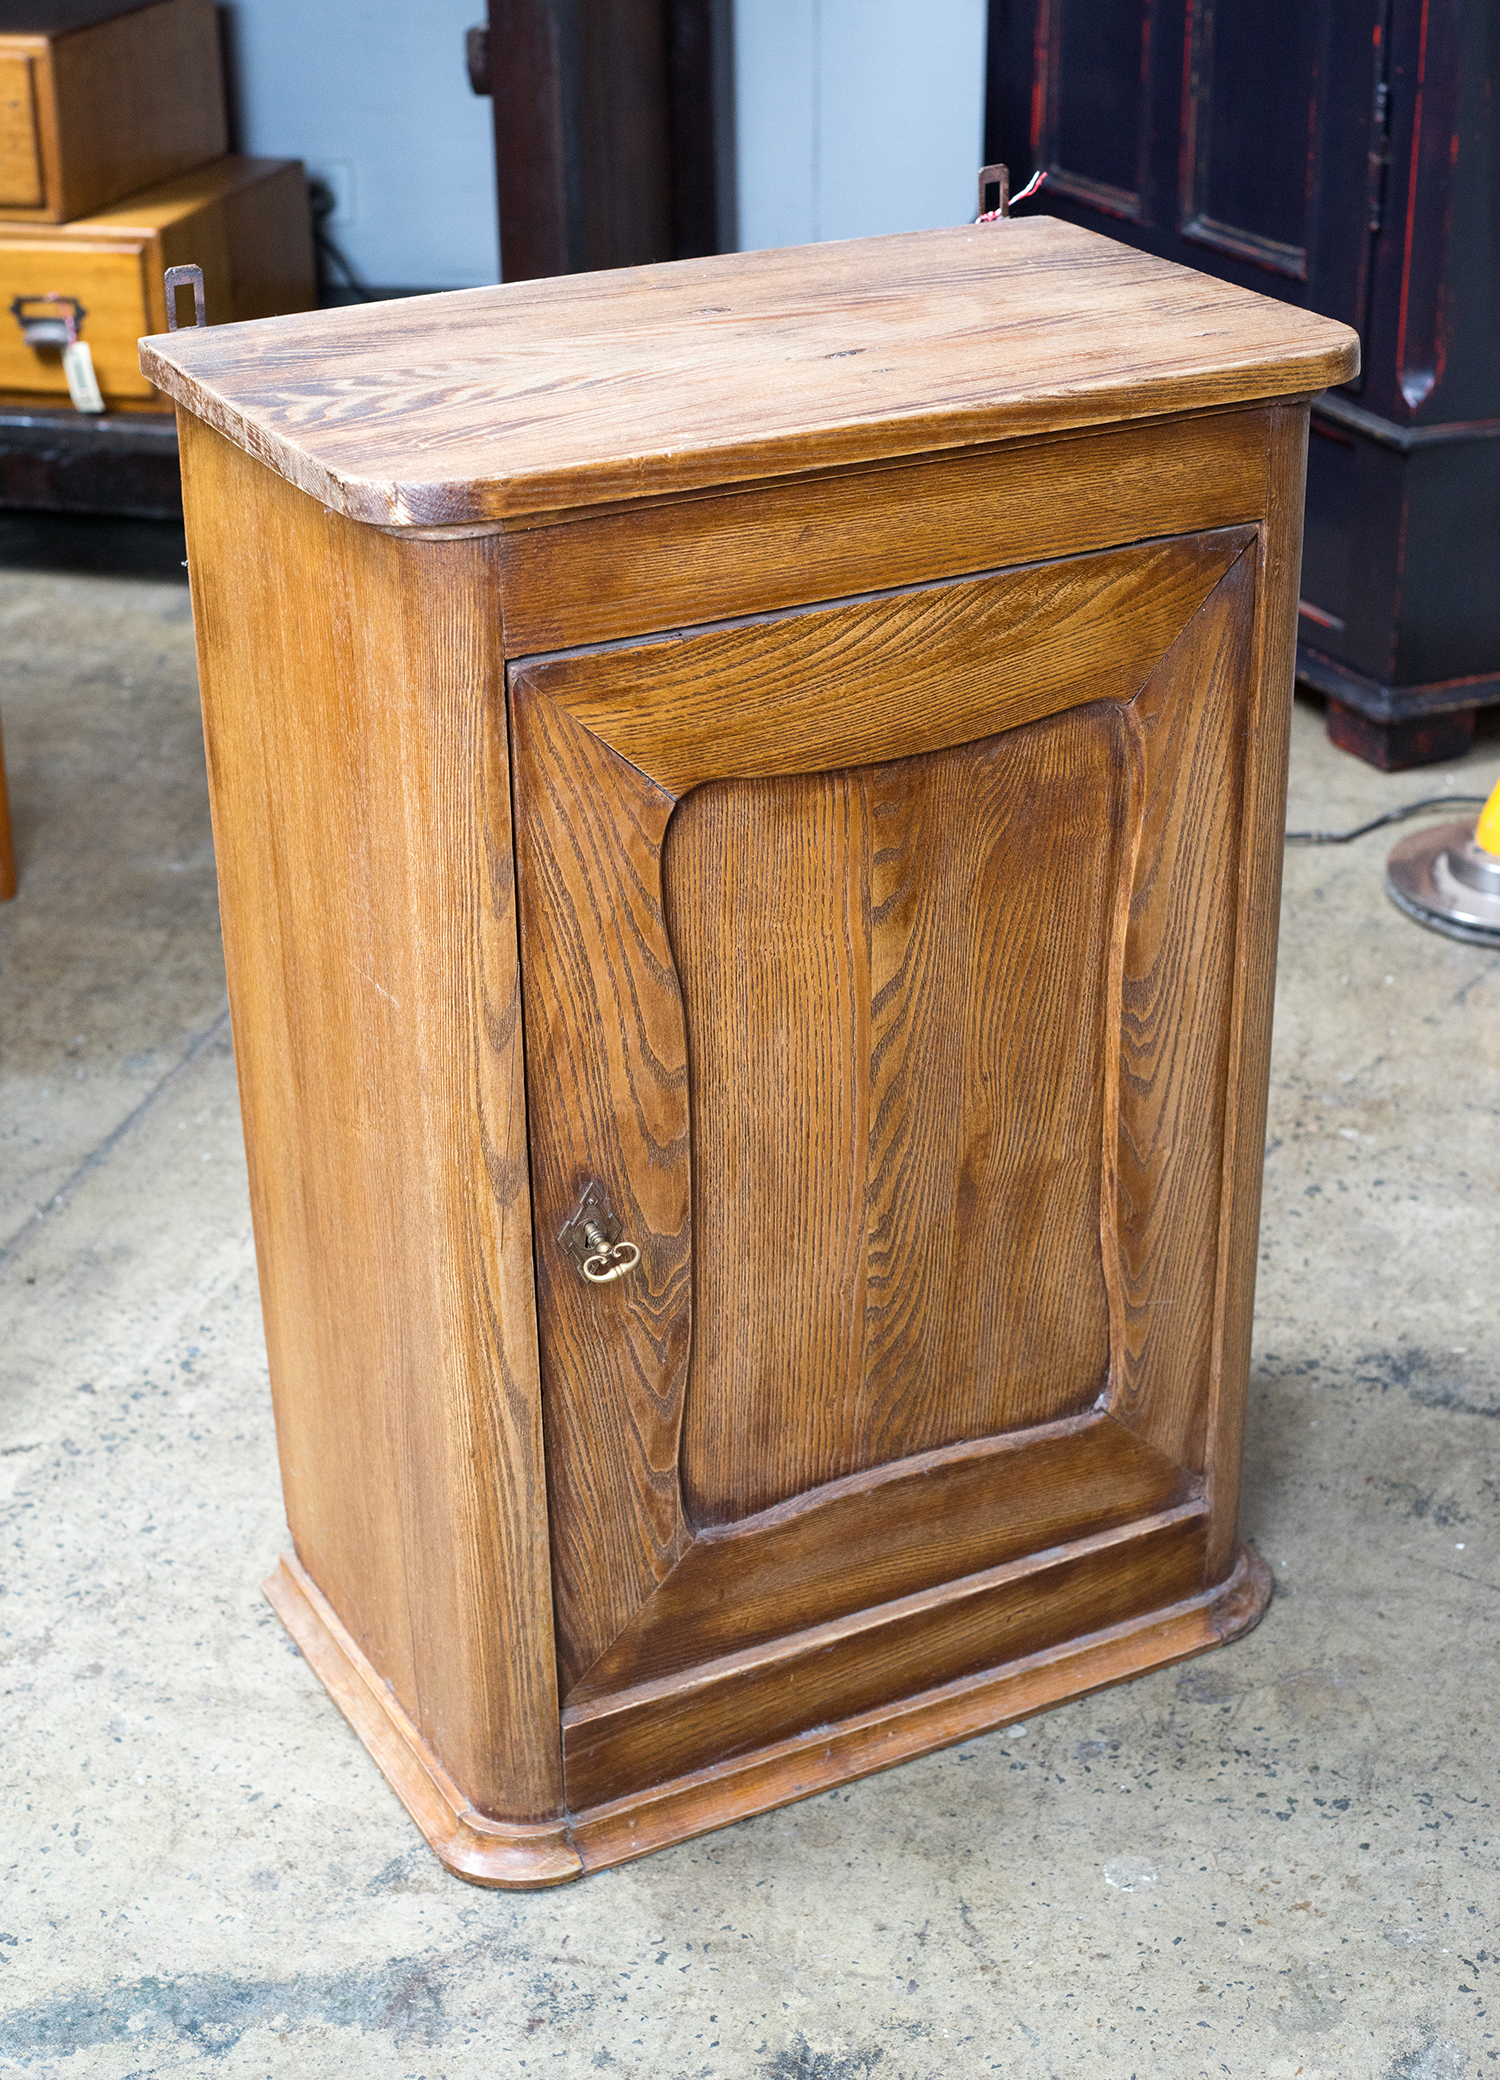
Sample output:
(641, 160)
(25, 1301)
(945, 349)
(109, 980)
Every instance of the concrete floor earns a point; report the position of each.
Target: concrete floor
(1279, 1861)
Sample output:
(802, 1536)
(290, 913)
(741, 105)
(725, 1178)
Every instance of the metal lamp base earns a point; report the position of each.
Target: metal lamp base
(1442, 879)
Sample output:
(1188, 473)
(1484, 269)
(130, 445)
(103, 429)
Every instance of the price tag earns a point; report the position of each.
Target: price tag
(83, 384)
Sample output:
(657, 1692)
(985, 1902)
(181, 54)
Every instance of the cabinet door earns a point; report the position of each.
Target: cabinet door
(878, 972)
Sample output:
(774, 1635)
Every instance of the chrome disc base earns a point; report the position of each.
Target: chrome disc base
(1442, 879)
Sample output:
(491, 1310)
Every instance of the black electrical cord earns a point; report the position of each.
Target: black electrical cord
(333, 261)
(1376, 823)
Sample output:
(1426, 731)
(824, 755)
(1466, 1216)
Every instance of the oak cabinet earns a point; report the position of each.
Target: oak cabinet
(748, 803)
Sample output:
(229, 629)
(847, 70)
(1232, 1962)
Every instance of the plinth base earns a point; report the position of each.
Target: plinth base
(489, 1852)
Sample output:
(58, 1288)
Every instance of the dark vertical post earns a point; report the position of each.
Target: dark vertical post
(526, 90)
(611, 119)
(694, 61)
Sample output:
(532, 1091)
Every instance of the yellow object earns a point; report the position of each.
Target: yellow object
(1487, 832)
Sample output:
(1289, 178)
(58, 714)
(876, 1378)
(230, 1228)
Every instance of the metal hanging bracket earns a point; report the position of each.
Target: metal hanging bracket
(996, 179)
(177, 278)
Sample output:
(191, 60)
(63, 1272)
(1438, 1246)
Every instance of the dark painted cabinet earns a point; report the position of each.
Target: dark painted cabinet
(1343, 155)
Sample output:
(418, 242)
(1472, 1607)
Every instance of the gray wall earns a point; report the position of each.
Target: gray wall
(856, 116)
(373, 95)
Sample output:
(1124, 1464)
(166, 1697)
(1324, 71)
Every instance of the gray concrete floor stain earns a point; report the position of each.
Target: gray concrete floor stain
(1281, 1860)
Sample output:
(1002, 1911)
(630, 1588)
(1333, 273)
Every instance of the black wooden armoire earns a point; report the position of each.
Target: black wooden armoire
(1343, 155)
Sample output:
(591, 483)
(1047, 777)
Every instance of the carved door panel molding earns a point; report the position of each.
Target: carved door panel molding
(878, 965)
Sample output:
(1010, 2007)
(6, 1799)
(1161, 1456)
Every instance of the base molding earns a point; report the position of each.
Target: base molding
(1379, 702)
(489, 1852)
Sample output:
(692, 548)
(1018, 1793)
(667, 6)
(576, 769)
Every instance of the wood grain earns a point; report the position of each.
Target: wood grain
(921, 669)
(916, 1250)
(262, 225)
(359, 783)
(1175, 1002)
(887, 1533)
(20, 147)
(486, 1851)
(244, 221)
(890, 940)
(117, 105)
(863, 1743)
(108, 277)
(895, 992)
(537, 396)
(662, 564)
(616, 1745)
(606, 1063)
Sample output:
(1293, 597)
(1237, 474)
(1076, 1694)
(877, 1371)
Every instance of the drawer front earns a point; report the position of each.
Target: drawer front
(21, 185)
(599, 577)
(104, 109)
(109, 281)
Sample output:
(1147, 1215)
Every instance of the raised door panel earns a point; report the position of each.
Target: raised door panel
(895, 985)
(878, 966)
(1249, 134)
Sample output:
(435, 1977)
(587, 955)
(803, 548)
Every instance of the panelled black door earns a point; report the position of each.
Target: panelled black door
(1234, 136)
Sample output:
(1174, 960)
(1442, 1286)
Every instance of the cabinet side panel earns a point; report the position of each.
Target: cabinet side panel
(268, 236)
(359, 775)
(1263, 822)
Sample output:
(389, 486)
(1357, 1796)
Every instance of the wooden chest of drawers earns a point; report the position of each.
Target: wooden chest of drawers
(98, 99)
(748, 799)
(245, 222)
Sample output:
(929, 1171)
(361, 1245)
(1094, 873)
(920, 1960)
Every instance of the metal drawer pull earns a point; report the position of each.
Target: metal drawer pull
(592, 1239)
(48, 320)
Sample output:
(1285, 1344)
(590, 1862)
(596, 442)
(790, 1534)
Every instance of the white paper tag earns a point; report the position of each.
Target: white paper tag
(83, 384)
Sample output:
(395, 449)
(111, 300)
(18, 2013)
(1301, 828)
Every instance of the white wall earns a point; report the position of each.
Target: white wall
(373, 94)
(856, 116)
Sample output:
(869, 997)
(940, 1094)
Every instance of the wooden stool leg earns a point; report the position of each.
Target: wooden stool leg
(7, 848)
(1420, 740)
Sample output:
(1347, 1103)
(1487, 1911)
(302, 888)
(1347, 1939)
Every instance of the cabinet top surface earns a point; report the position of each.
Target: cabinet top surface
(483, 404)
